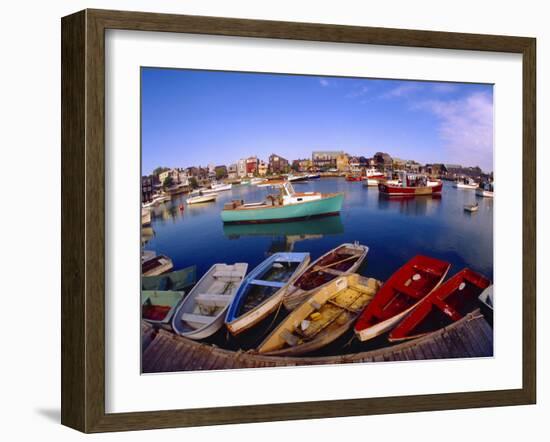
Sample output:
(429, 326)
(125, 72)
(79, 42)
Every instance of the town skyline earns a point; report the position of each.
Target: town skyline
(196, 118)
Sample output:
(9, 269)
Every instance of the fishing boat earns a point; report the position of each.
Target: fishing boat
(449, 303)
(400, 294)
(221, 187)
(352, 177)
(256, 181)
(198, 197)
(153, 264)
(340, 261)
(411, 184)
(314, 176)
(325, 316)
(471, 207)
(145, 217)
(297, 178)
(485, 190)
(262, 290)
(486, 297)
(465, 183)
(287, 205)
(156, 200)
(374, 174)
(203, 310)
(157, 307)
(178, 280)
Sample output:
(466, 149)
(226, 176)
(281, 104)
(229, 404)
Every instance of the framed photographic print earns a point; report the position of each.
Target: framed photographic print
(269, 220)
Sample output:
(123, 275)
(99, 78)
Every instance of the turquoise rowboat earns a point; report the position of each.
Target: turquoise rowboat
(288, 205)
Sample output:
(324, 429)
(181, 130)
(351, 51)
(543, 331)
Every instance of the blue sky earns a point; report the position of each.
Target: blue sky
(194, 118)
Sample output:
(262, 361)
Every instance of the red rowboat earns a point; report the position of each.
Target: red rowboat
(400, 294)
(353, 178)
(445, 305)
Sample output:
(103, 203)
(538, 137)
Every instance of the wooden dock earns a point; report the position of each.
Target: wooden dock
(163, 351)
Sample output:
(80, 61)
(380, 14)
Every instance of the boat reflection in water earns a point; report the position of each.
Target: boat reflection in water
(409, 204)
(285, 235)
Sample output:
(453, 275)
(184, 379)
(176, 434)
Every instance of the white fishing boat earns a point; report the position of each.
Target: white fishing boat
(256, 181)
(202, 313)
(155, 201)
(485, 190)
(198, 197)
(465, 183)
(221, 187)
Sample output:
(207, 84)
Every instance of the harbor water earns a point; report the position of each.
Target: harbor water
(395, 229)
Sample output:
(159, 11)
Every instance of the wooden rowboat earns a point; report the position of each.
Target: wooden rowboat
(262, 291)
(158, 306)
(178, 280)
(324, 317)
(449, 303)
(153, 264)
(340, 261)
(486, 298)
(203, 311)
(400, 294)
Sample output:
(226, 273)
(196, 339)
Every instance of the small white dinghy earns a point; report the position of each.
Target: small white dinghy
(201, 197)
(202, 312)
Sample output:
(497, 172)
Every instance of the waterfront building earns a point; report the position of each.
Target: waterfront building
(436, 169)
(232, 172)
(179, 176)
(383, 160)
(251, 166)
(325, 160)
(342, 162)
(241, 168)
(262, 168)
(278, 164)
(302, 165)
(354, 165)
(146, 188)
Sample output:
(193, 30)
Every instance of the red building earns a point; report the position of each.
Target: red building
(251, 165)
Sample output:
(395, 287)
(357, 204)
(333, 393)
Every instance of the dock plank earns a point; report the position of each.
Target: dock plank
(469, 337)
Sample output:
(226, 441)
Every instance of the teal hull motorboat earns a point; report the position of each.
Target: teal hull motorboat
(289, 205)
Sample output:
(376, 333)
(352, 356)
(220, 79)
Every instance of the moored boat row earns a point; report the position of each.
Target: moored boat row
(325, 298)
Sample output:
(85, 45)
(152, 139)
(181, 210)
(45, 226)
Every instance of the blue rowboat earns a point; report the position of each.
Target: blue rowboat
(287, 205)
(262, 291)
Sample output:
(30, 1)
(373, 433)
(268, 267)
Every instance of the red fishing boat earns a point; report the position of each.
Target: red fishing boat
(354, 178)
(411, 184)
(400, 294)
(447, 304)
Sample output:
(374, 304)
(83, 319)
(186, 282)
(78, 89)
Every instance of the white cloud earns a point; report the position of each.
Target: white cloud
(402, 90)
(358, 92)
(444, 88)
(466, 128)
(324, 82)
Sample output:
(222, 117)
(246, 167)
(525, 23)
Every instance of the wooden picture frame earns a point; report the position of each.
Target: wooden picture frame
(83, 219)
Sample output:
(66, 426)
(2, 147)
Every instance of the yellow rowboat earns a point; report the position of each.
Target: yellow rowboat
(324, 317)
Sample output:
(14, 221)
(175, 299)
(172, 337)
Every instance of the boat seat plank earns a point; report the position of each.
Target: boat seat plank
(406, 290)
(196, 321)
(329, 271)
(275, 284)
(227, 274)
(213, 299)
